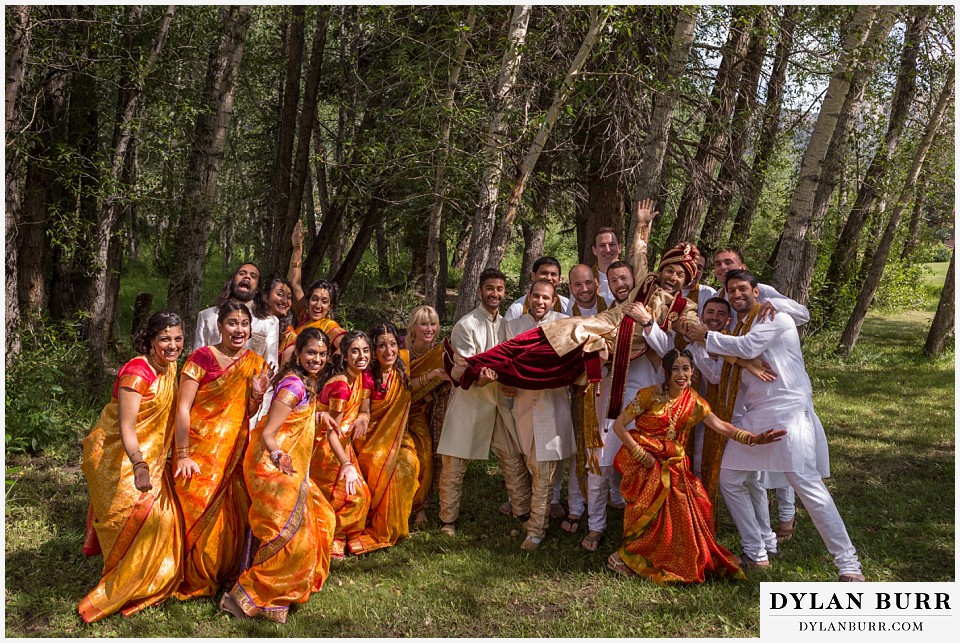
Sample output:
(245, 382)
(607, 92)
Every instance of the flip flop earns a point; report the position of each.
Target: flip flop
(570, 524)
(592, 539)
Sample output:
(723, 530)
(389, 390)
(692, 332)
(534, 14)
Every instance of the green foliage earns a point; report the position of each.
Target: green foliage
(46, 408)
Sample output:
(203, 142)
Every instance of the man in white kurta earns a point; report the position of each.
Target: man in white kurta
(544, 423)
(264, 333)
(478, 419)
(802, 456)
(546, 268)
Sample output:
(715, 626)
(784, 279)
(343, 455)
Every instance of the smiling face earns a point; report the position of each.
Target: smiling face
(280, 300)
(491, 293)
(387, 351)
(540, 300)
(606, 248)
(583, 286)
(358, 355)
(672, 278)
(679, 375)
(741, 295)
(621, 283)
(426, 330)
(318, 305)
(715, 316)
(313, 357)
(549, 272)
(724, 262)
(235, 330)
(245, 282)
(168, 344)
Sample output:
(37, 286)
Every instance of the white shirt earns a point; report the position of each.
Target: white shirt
(584, 312)
(706, 292)
(782, 303)
(472, 414)
(785, 403)
(515, 310)
(543, 418)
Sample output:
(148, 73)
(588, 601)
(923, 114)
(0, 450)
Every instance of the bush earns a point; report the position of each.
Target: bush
(45, 408)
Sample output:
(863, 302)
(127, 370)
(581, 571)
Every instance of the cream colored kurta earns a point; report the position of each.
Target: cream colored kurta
(543, 419)
(472, 414)
(515, 310)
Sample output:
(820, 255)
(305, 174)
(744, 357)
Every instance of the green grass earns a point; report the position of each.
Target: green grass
(889, 416)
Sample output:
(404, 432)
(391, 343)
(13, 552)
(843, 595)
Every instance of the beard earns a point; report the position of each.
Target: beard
(241, 296)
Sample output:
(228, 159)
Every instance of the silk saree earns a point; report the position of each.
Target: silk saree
(427, 408)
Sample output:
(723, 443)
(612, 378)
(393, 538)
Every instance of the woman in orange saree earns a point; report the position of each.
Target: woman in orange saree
(134, 518)
(321, 299)
(346, 397)
(667, 524)
(287, 553)
(221, 387)
(386, 454)
(430, 388)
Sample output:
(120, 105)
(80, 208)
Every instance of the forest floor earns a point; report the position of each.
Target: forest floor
(889, 417)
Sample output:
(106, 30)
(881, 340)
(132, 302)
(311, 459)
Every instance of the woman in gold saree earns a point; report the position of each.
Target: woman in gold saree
(346, 397)
(386, 454)
(430, 388)
(321, 299)
(287, 554)
(134, 518)
(221, 387)
(668, 521)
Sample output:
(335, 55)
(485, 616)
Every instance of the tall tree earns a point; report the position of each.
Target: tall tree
(486, 212)
(941, 329)
(851, 332)
(203, 169)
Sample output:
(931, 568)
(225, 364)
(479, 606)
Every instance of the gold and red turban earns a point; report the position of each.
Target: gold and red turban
(684, 255)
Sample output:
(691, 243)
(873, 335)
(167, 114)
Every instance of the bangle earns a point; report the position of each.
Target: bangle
(744, 437)
(137, 455)
(141, 463)
(182, 452)
(275, 455)
(296, 264)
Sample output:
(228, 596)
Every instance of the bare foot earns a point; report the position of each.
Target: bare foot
(420, 520)
(228, 604)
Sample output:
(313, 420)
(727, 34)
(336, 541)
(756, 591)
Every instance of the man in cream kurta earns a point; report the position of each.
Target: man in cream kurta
(479, 420)
(801, 457)
(543, 268)
(544, 423)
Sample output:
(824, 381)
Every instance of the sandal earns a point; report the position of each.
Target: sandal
(570, 524)
(616, 565)
(786, 529)
(591, 542)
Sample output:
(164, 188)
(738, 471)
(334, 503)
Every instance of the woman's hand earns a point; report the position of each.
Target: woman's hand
(768, 436)
(185, 468)
(351, 479)
(283, 462)
(361, 425)
(760, 369)
(641, 456)
(261, 381)
(141, 477)
(325, 422)
(297, 237)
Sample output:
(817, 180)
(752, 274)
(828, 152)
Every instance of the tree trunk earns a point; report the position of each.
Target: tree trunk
(486, 212)
(606, 192)
(504, 227)
(845, 251)
(534, 237)
(432, 291)
(362, 241)
(941, 330)
(440, 303)
(848, 340)
(910, 245)
(18, 48)
(730, 179)
(383, 255)
(790, 247)
(753, 183)
(203, 166)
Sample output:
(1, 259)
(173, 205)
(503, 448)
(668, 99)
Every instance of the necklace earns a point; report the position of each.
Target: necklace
(233, 357)
(159, 369)
(672, 419)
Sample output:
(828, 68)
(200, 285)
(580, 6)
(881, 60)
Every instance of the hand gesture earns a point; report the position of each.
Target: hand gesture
(694, 331)
(360, 426)
(637, 312)
(325, 422)
(768, 436)
(285, 464)
(760, 369)
(261, 381)
(351, 479)
(297, 237)
(646, 212)
(767, 311)
(487, 375)
(185, 468)
(441, 375)
(141, 478)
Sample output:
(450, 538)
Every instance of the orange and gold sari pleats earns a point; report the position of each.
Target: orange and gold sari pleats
(287, 555)
(388, 462)
(141, 534)
(215, 501)
(421, 426)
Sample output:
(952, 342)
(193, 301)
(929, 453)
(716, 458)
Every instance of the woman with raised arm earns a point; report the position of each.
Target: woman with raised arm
(221, 388)
(430, 388)
(134, 519)
(667, 524)
(334, 469)
(386, 454)
(321, 300)
(291, 523)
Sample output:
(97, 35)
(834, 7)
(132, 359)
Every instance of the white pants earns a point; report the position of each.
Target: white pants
(575, 499)
(816, 500)
(786, 504)
(746, 501)
(599, 488)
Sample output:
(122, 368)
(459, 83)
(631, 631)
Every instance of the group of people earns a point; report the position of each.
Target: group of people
(288, 440)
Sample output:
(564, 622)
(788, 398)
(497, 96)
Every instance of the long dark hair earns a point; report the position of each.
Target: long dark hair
(143, 339)
(331, 287)
(227, 291)
(293, 364)
(669, 358)
(261, 303)
(340, 359)
(377, 331)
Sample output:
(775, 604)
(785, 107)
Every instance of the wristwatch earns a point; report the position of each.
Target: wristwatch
(648, 324)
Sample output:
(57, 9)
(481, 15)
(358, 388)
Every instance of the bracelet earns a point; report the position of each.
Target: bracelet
(141, 463)
(744, 437)
(256, 398)
(296, 264)
(136, 454)
(182, 452)
(275, 455)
